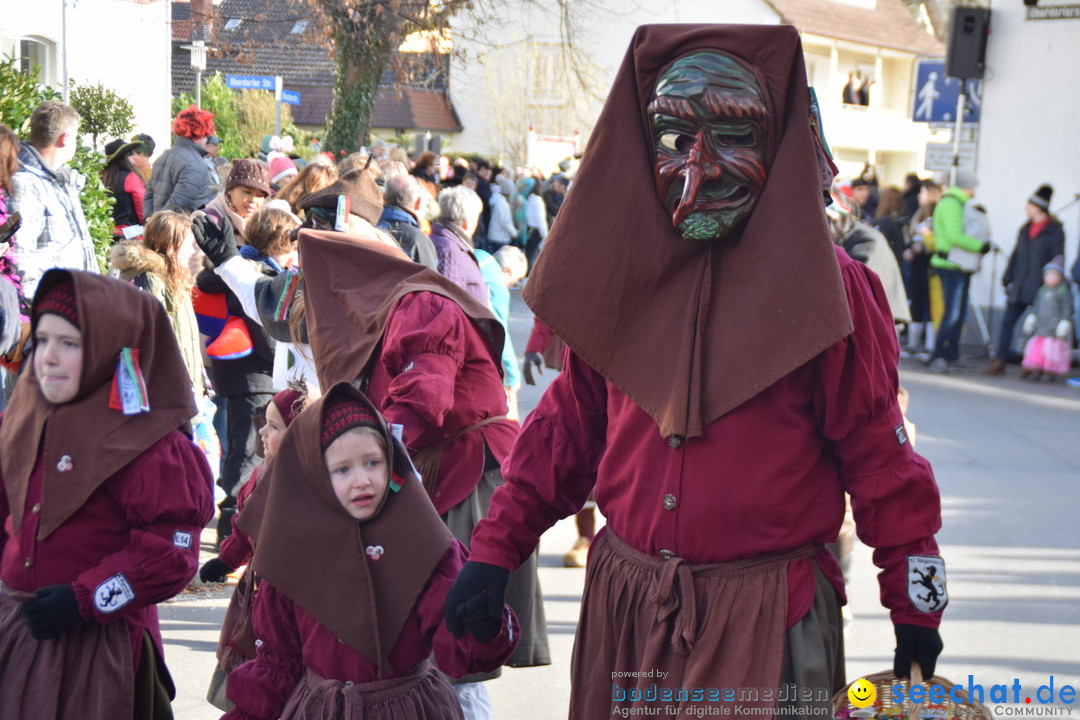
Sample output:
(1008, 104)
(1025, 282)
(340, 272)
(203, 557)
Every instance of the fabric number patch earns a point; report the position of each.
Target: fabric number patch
(901, 434)
(926, 583)
(113, 594)
(181, 539)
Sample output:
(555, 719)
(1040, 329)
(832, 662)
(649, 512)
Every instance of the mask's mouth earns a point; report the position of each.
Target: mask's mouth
(707, 218)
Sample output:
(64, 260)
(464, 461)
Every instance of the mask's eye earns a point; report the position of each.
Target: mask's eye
(676, 142)
(745, 139)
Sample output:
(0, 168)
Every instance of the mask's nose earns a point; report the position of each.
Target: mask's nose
(700, 166)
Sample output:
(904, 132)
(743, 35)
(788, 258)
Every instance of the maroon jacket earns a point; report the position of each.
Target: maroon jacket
(436, 376)
(138, 533)
(767, 477)
(236, 549)
(292, 640)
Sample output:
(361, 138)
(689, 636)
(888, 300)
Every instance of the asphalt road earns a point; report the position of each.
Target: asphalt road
(1006, 455)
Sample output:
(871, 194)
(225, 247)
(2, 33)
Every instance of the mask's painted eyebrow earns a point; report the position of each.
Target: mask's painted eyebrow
(718, 104)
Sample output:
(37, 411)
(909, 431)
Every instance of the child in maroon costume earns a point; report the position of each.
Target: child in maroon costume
(104, 499)
(358, 645)
(236, 643)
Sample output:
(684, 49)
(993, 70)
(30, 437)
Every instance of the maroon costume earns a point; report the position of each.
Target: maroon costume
(718, 398)
(109, 504)
(356, 645)
(293, 640)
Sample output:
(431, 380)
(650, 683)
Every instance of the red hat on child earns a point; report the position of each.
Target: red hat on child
(59, 300)
(289, 402)
(342, 414)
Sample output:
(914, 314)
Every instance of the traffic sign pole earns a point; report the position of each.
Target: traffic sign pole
(960, 100)
(277, 105)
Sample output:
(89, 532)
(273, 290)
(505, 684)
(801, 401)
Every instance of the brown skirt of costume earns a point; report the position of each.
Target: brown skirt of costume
(666, 633)
(423, 694)
(86, 673)
(236, 644)
(523, 593)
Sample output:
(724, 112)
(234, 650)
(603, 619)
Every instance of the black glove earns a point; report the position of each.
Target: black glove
(475, 602)
(918, 644)
(215, 240)
(532, 358)
(53, 613)
(216, 571)
(987, 247)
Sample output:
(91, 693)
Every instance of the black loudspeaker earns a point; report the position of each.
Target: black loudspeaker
(967, 42)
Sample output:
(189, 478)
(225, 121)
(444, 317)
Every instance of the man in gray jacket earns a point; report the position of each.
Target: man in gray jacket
(181, 178)
(54, 231)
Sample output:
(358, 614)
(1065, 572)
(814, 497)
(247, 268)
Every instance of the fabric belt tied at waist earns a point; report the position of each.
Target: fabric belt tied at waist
(673, 591)
(429, 460)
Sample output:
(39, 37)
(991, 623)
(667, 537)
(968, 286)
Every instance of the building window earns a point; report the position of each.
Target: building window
(38, 55)
(545, 74)
(233, 23)
(299, 27)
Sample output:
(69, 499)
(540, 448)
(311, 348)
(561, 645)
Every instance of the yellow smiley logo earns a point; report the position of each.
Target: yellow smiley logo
(862, 693)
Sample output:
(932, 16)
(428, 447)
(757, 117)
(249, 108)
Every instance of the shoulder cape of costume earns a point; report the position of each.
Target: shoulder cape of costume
(96, 440)
(351, 285)
(691, 330)
(359, 579)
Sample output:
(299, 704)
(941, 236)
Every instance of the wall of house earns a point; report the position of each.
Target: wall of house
(497, 105)
(1026, 133)
(881, 132)
(122, 45)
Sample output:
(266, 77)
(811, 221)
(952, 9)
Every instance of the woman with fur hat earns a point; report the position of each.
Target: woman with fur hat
(180, 179)
(103, 525)
(342, 502)
(246, 189)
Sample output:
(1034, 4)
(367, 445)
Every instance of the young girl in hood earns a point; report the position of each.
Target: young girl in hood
(354, 567)
(236, 644)
(104, 499)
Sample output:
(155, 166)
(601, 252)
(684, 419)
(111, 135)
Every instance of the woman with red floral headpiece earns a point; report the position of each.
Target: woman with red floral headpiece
(180, 179)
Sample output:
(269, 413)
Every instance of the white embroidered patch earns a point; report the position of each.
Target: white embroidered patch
(113, 594)
(926, 583)
(375, 552)
(181, 539)
(901, 434)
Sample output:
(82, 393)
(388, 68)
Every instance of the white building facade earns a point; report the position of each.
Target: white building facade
(513, 77)
(1030, 109)
(123, 45)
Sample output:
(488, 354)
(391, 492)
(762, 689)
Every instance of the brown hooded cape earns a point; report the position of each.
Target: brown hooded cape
(351, 285)
(100, 441)
(310, 548)
(690, 330)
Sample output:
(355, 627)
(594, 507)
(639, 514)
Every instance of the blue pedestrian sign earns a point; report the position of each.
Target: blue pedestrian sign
(290, 96)
(934, 95)
(250, 82)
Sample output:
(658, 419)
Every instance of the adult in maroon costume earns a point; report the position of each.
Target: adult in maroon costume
(734, 376)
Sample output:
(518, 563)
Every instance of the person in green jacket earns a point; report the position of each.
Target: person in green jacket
(949, 232)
